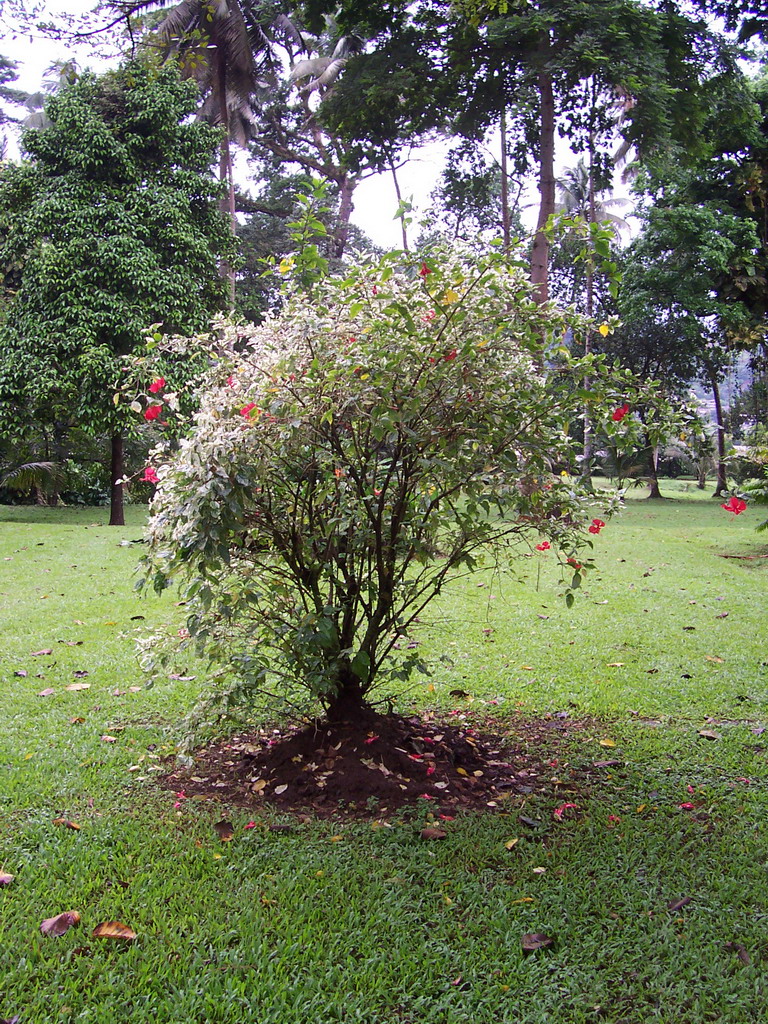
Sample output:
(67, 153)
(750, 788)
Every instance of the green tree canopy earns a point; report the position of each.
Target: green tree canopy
(116, 226)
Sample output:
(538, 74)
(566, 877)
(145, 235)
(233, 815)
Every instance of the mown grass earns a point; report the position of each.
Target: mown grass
(369, 923)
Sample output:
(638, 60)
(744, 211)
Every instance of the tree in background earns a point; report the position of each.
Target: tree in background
(116, 225)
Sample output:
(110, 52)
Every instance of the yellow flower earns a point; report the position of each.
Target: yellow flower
(286, 265)
(450, 297)
(604, 329)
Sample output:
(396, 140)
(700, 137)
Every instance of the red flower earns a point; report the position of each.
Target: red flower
(150, 475)
(620, 413)
(230, 381)
(375, 290)
(430, 769)
(687, 807)
(251, 824)
(152, 412)
(559, 811)
(157, 385)
(735, 505)
(573, 563)
(544, 546)
(424, 270)
(247, 409)
(449, 356)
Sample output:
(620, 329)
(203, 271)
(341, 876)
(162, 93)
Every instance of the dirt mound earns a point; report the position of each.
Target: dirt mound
(375, 764)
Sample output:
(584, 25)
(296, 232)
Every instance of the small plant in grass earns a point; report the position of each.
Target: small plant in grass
(353, 454)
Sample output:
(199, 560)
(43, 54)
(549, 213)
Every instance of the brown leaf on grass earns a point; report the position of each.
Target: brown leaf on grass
(11, 1020)
(740, 951)
(61, 923)
(21, 673)
(80, 673)
(606, 764)
(108, 739)
(46, 692)
(67, 823)
(433, 833)
(679, 904)
(5, 878)
(78, 686)
(722, 615)
(535, 940)
(114, 930)
(224, 830)
(714, 659)
(38, 654)
(77, 721)
(710, 734)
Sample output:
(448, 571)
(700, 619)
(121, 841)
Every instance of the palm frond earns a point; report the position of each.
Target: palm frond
(47, 475)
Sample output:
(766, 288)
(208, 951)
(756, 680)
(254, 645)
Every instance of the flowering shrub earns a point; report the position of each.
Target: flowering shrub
(353, 454)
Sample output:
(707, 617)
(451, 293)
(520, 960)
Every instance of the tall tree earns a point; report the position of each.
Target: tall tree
(116, 224)
(562, 65)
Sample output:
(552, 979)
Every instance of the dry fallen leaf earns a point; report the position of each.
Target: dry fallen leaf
(615, 664)
(679, 904)
(607, 743)
(224, 830)
(21, 673)
(280, 789)
(433, 833)
(113, 930)
(535, 940)
(46, 692)
(5, 878)
(67, 823)
(710, 734)
(78, 686)
(108, 739)
(37, 654)
(740, 950)
(511, 844)
(714, 659)
(61, 923)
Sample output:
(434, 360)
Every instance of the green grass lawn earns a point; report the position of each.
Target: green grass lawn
(361, 922)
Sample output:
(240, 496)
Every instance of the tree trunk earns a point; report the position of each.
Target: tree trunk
(400, 207)
(347, 703)
(346, 206)
(540, 252)
(722, 481)
(701, 482)
(225, 168)
(653, 477)
(505, 228)
(116, 470)
(586, 473)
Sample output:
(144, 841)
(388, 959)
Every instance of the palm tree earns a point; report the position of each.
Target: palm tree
(579, 198)
(228, 48)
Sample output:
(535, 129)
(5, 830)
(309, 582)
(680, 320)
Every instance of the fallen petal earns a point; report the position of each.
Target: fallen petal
(61, 923)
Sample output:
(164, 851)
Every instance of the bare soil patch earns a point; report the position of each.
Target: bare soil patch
(378, 764)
